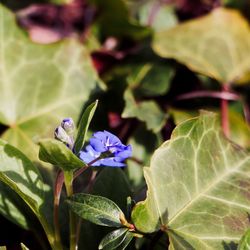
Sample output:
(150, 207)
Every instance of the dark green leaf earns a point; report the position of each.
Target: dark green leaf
(146, 111)
(96, 209)
(57, 153)
(106, 180)
(128, 238)
(245, 241)
(116, 12)
(113, 239)
(151, 79)
(105, 183)
(83, 126)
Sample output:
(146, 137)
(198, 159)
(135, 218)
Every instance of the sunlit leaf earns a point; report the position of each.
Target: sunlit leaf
(18, 172)
(83, 126)
(96, 209)
(158, 16)
(39, 84)
(57, 153)
(239, 129)
(13, 208)
(216, 45)
(24, 247)
(198, 188)
(245, 241)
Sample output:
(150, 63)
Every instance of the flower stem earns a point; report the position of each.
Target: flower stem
(68, 180)
(57, 194)
(224, 113)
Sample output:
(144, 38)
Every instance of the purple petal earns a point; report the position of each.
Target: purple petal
(110, 162)
(89, 155)
(126, 153)
(97, 145)
(113, 138)
(100, 135)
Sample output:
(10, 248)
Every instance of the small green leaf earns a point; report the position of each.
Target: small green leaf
(128, 237)
(116, 12)
(245, 241)
(83, 126)
(57, 153)
(166, 17)
(146, 111)
(113, 239)
(150, 79)
(96, 209)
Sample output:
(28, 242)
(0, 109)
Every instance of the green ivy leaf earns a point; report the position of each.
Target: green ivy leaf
(96, 209)
(151, 79)
(198, 188)
(245, 241)
(164, 19)
(146, 111)
(113, 239)
(220, 50)
(40, 84)
(116, 12)
(57, 153)
(83, 126)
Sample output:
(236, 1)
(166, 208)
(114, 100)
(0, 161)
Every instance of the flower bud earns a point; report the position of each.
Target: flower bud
(61, 135)
(68, 125)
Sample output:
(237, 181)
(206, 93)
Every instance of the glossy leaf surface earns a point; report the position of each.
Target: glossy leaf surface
(96, 209)
(113, 239)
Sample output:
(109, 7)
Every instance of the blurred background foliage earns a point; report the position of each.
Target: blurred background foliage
(151, 64)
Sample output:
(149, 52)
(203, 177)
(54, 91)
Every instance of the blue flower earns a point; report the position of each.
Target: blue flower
(110, 147)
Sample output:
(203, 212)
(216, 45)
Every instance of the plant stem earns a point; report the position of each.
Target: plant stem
(68, 180)
(57, 195)
(224, 113)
